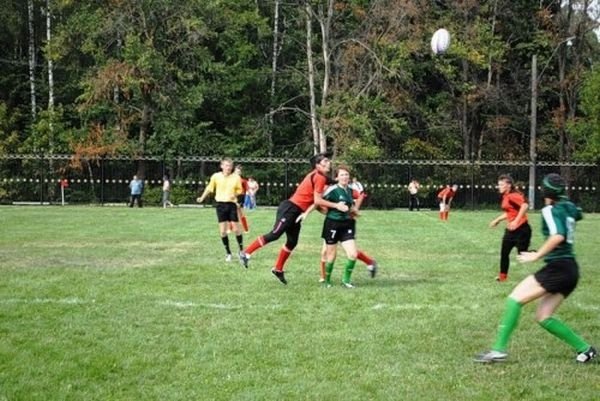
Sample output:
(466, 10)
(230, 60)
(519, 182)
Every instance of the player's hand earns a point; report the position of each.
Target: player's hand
(342, 207)
(493, 223)
(199, 199)
(525, 257)
(511, 226)
(301, 217)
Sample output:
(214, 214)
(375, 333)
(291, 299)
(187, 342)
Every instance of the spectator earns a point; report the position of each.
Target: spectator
(137, 189)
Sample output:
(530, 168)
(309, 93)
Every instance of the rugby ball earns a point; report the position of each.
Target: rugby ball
(440, 41)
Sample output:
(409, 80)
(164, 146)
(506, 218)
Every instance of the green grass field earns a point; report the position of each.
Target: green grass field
(111, 303)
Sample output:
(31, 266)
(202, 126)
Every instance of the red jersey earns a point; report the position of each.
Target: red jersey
(304, 197)
(244, 184)
(511, 203)
(448, 192)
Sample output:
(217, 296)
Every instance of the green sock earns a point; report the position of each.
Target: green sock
(348, 271)
(328, 270)
(509, 321)
(565, 333)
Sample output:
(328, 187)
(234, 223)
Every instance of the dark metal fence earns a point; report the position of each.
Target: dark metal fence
(37, 179)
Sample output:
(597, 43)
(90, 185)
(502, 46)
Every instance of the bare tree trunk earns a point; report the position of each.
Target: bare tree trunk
(50, 76)
(464, 116)
(489, 78)
(273, 77)
(32, 61)
(311, 80)
(325, 23)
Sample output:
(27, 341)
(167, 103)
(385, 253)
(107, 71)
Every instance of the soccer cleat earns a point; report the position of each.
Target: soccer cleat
(244, 258)
(347, 285)
(490, 356)
(587, 356)
(228, 258)
(502, 277)
(321, 280)
(372, 268)
(280, 276)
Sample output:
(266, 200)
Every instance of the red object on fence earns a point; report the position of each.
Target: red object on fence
(64, 183)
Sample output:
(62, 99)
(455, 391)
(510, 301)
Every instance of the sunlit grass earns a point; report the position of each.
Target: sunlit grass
(139, 304)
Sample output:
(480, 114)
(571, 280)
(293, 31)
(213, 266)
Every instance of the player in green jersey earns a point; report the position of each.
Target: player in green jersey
(340, 227)
(553, 282)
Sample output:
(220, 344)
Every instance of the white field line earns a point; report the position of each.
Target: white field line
(190, 304)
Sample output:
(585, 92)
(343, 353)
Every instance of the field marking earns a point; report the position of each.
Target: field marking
(33, 301)
(220, 306)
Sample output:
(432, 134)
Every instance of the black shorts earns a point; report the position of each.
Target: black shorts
(335, 231)
(226, 211)
(240, 199)
(521, 237)
(559, 276)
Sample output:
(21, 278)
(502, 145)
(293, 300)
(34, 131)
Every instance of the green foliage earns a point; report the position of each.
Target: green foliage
(586, 129)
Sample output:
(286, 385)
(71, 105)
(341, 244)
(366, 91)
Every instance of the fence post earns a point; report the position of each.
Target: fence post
(472, 182)
(285, 183)
(102, 180)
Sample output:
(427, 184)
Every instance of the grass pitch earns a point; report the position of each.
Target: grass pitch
(101, 303)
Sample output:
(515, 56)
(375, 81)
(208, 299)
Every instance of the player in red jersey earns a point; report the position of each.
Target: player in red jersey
(290, 214)
(240, 200)
(445, 197)
(518, 231)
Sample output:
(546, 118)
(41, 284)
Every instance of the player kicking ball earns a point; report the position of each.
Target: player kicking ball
(552, 283)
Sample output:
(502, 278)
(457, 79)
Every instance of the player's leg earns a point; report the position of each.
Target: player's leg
(242, 219)
(508, 244)
(323, 261)
(350, 248)
(526, 291)
(330, 255)
(223, 225)
(282, 220)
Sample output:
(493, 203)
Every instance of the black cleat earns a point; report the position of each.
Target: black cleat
(373, 269)
(587, 356)
(280, 276)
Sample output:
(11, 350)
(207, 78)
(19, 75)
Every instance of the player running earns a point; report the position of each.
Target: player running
(552, 283)
(290, 214)
(518, 230)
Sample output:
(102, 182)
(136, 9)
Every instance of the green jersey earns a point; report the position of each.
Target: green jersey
(560, 219)
(336, 194)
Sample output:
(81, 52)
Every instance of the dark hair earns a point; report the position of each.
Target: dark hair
(509, 180)
(316, 159)
(553, 186)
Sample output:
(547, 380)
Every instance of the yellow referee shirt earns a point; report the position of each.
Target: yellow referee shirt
(224, 187)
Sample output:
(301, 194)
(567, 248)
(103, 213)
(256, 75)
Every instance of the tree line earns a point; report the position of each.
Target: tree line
(292, 77)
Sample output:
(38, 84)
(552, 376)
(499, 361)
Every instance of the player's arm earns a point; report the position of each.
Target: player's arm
(305, 214)
(319, 201)
(498, 219)
(522, 210)
(208, 190)
(552, 242)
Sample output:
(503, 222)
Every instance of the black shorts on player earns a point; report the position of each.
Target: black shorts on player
(226, 211)
(335, 231)
(559, 276)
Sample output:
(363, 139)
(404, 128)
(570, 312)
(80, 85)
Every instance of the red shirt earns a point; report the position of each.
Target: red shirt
(448, 192)
(244, 184)
(304, 197)
(511, 203)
